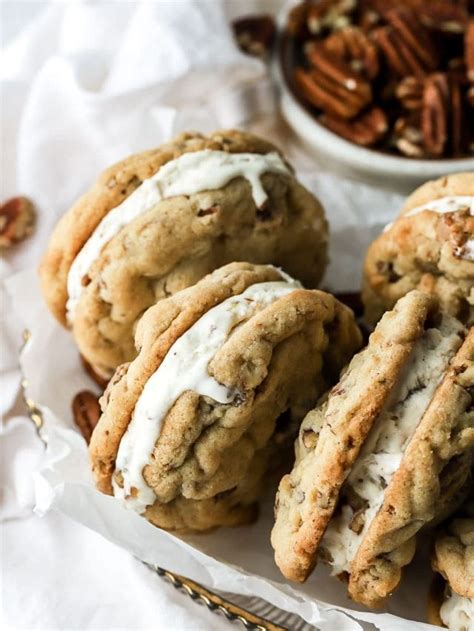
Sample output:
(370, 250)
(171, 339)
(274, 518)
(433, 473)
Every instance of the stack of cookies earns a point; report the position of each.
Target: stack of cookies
(159, 221)
(388, 450)
(188, 278)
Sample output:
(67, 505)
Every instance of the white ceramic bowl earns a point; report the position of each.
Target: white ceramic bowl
(383, 169)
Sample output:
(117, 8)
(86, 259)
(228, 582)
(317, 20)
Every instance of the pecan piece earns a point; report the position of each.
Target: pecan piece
(457, 228)
(470, 96)
(255, 34)
(358, 521)
(310, 438)
(457, 118)
(366, 130)
(17, 220)
(352, 46)
(442, 116)
(86, 412)
(410, 93)
(444, 15)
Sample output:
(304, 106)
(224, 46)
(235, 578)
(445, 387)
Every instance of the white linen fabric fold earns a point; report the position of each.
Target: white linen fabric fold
(84, 84)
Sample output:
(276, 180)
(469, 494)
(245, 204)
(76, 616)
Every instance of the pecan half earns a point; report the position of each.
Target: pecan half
(469, 51)
(17, 220)
(407, 136)
(369, 19)
(86, 412)
(352, 46)
(406, 44)
(366, 130)
(332, 85)
(434, 114)
(255, 34)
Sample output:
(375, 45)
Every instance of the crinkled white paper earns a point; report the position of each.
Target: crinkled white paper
(87, 84)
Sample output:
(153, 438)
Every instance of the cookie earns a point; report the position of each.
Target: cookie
(375, 456)
(159, 221)
(430, 247)
(451, 601)
(225, 372)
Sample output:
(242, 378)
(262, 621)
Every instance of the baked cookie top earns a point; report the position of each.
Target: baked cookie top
(224, 370)
(454, 556)
(357, 493)
(430, 246)
(160, 220)
(451, 603)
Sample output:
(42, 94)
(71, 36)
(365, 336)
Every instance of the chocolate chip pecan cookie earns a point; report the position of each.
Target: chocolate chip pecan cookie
(160, 220)
(225, 372)
(430, 247)
(451, 602)
(375, 458)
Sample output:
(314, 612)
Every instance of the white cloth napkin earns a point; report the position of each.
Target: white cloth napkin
(83, 85)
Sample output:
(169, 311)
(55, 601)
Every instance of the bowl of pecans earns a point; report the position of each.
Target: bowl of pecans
(381, 87)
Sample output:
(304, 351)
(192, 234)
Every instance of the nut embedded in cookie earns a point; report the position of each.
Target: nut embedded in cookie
(159, 221)
(374, 459)
(430, 247)
(225, 372)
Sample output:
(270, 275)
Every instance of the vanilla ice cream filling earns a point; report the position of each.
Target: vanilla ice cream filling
(457, 612)
(444, 205)
(185, 368)
(386, 443)
(189, 174)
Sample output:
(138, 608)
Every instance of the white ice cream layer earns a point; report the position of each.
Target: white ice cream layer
(444, 205)
(191, 173)
(383, 450)
(457, 612)
(185, 368)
